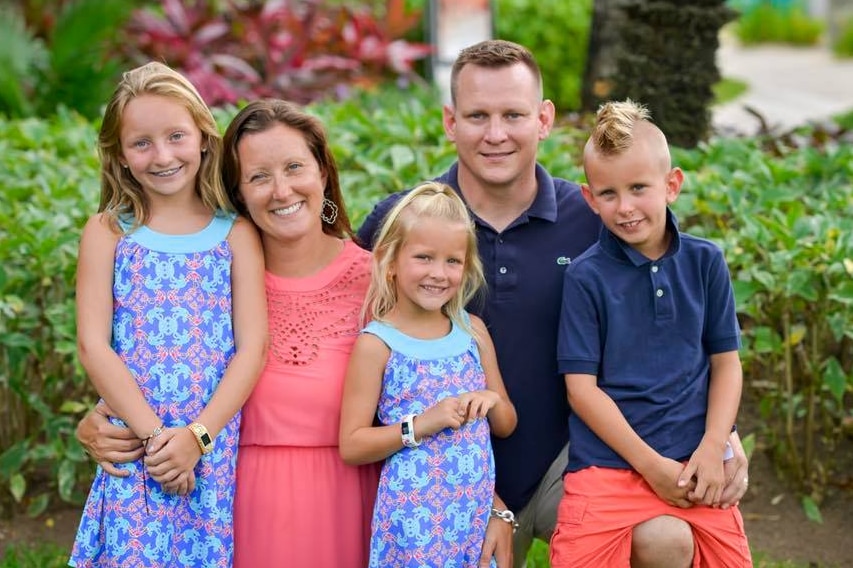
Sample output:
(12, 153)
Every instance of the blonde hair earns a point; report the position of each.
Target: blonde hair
(429, 200)
(121, 194)
(615, 123)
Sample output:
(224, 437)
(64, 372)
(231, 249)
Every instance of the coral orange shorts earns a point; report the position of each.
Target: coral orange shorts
(601, 506)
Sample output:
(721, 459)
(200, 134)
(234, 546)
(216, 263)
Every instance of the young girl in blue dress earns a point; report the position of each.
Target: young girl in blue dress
(171, 327)
(428, 370)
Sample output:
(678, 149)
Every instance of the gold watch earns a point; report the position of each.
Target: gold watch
(202, 436)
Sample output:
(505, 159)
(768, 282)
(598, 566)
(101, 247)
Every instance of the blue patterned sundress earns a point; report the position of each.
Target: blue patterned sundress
(433, 502)
(172, 328)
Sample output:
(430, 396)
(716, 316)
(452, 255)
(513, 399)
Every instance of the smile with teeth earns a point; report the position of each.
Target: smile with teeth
(289, 210)
(167, 173)
(433, 289)
(630, 224)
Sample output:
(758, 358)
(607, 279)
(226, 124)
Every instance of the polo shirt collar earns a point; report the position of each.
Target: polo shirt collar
(544, 205)
(617, 248)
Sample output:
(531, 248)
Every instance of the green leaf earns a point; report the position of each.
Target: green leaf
(38, 505)
(748, 443)
(401, 156)
(766, 340)
(66, 478)
(17, 486)
(843, 293)
(13, 459)
(811, 509)
(835, 379)
(73, 407)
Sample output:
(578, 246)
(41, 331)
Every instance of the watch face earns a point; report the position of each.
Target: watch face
(205, 439)
(405, 428)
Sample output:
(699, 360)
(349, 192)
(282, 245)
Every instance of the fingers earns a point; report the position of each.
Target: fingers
(111, 469)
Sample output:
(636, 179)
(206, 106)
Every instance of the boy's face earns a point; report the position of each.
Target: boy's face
(630, 191)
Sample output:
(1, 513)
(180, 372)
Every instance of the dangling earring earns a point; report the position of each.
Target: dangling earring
(332, 215)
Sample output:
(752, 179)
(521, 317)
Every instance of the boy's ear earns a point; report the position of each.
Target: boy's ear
(590, 200)
(674, 181)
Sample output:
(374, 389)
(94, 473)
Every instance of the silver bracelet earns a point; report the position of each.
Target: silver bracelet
(506, 516)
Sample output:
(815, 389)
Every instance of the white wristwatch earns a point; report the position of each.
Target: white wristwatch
(407, 428)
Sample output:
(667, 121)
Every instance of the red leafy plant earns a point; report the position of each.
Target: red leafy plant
(297, 50)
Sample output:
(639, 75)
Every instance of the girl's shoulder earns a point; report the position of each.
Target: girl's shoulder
(103, 225)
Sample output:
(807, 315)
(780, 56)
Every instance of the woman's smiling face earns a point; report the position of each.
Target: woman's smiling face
(281, 183)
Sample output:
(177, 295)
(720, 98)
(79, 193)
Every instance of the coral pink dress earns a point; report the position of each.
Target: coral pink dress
(297, 503)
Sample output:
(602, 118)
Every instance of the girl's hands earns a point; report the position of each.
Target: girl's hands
(454, 412)
(171, 457)
(446, 413)
(477, 404)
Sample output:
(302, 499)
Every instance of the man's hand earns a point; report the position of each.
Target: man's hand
(498, 542)
(107, 443)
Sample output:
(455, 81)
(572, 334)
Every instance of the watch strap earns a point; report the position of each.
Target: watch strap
(407, 431)
(202, 437)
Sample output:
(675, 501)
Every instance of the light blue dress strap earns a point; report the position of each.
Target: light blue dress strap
(451, 345)
(207, 238)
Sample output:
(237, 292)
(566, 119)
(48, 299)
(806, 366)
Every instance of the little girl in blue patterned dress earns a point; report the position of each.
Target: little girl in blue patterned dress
(171, 328)
(428, 370)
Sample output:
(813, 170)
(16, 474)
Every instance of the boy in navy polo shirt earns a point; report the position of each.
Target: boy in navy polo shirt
(648, 344)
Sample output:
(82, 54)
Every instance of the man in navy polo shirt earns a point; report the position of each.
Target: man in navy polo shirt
(529, 227)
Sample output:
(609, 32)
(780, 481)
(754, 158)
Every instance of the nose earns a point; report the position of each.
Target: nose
(280, 188)
(496, 130)
(625, 206)
(437, 271)
(163, 154)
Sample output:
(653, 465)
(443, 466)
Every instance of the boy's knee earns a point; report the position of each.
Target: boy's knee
(662, 542)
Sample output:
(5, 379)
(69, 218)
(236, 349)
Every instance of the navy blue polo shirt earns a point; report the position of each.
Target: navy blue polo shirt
(647, 330)
(524, 267)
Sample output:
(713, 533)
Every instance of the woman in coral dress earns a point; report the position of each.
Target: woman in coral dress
(293, 489)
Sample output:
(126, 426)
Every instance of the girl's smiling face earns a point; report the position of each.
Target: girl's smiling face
(160, 145)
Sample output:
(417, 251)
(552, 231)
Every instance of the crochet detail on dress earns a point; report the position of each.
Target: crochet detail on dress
(301, 321)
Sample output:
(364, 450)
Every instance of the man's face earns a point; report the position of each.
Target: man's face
(497, 123)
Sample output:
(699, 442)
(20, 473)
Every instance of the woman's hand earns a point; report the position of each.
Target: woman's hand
(107, 443)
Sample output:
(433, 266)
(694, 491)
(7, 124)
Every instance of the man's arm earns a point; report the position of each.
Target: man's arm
(107, 443)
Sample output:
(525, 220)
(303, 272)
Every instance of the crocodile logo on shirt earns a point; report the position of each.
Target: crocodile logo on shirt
(563, 260)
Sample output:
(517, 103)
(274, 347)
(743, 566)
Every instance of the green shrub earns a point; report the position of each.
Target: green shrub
(48, 172)
(73, 65)
(842, 45)
(557, 32)
(765, 22)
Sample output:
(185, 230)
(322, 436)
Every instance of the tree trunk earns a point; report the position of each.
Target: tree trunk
(662, 54)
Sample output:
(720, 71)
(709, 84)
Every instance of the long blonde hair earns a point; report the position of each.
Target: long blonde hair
(121, 194)
(430, 200)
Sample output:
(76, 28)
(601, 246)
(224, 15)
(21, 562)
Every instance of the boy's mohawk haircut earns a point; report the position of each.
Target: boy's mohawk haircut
(614, 127)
